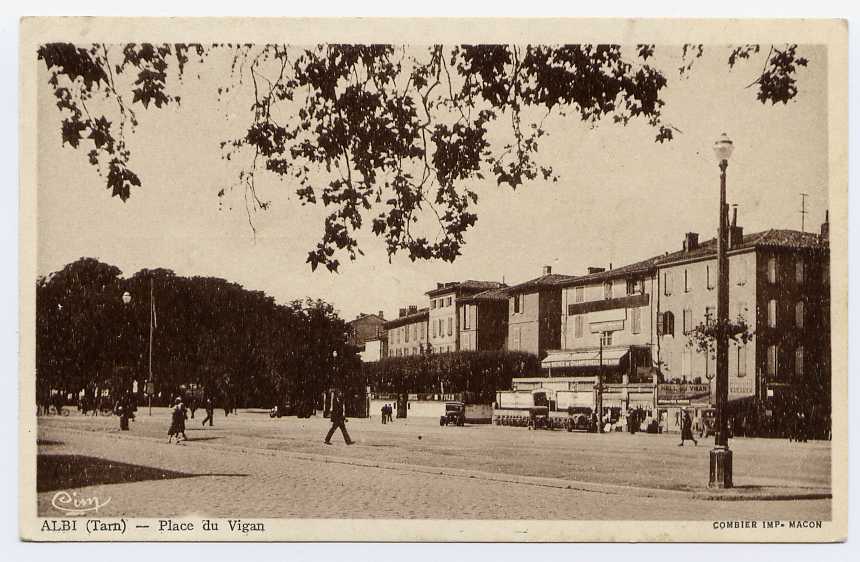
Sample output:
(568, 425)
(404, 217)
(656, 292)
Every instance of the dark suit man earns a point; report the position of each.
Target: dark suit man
(337, 419)
(210, 412)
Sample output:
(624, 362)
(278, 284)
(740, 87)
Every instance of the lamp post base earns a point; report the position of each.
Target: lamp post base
(721, 468)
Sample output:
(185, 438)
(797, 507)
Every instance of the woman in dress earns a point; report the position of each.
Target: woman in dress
(177, 422)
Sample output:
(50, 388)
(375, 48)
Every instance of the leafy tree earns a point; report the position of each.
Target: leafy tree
(237, 344)
(383, 135)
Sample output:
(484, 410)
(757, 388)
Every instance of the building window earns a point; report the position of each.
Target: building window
(441, 327)
(606, 339)
(635, 320)
(688, 282)
(799, 272)
(635, 286)
(450, 300)
(433, 304)
(798, 361)
(577, 326)
(742, 361)
(450, 326)
(579, 294)
(771, 270)
(771, 313)
(434, 330)
(668, 324)
(607, 290)
(772, 360)
(710, 315)
(798, 314)
(406, 334)
(686, 362)
(709, 277)
(688, 320)
(517, 304)
(414, 331)
(667, 283)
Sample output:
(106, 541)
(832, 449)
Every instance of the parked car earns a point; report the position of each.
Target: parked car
(579, 418)
(280, 410)
(539, 417)
(455, 414)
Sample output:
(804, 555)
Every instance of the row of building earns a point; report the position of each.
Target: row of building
(636, 320)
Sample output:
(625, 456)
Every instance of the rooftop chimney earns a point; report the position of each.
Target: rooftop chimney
(691, 241)
(736, 233)
(440, 285)
(825, 227)
(592, 270)
(401, 313)
(547, 269)
(381, 315)
(413, 309)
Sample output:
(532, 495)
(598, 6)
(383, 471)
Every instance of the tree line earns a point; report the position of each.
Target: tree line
(477, 374)
(236, 344)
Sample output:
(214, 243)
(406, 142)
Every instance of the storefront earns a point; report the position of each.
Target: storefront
(673, 399)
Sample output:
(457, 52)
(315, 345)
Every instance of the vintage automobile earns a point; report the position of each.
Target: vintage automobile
(579, 418)
(280, 410)
(455, 414)
(539, 417)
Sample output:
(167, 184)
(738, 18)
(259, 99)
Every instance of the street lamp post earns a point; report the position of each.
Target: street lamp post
(721, 455)
(126, 299)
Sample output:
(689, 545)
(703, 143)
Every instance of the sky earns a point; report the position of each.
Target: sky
(620, 197)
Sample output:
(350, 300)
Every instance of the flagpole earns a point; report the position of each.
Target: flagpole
(151, 309)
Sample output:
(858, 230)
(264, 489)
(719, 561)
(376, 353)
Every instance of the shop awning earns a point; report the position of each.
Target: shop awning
(589, 358)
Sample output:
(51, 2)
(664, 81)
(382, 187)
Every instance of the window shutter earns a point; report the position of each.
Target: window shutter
(660, 324)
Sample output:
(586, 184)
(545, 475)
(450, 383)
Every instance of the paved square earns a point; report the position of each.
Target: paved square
(253, 466)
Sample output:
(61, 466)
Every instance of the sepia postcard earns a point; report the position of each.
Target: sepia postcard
(504, 280)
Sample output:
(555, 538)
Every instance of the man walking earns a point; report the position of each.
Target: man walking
(337, 419)
(687, 429)
(210, 412)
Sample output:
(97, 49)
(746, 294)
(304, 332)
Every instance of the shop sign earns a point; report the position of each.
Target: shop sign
(682, 393)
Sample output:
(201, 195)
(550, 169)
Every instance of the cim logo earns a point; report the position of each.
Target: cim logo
(73, 504)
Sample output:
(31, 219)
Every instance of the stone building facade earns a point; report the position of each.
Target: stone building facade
(534, 313)
(483, 320)
(407, 334)
(444, 315)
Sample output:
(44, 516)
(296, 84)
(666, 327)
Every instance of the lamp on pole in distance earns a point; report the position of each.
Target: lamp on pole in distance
(721, 455)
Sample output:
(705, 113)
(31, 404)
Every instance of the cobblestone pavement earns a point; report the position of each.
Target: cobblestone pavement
(253, 466)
